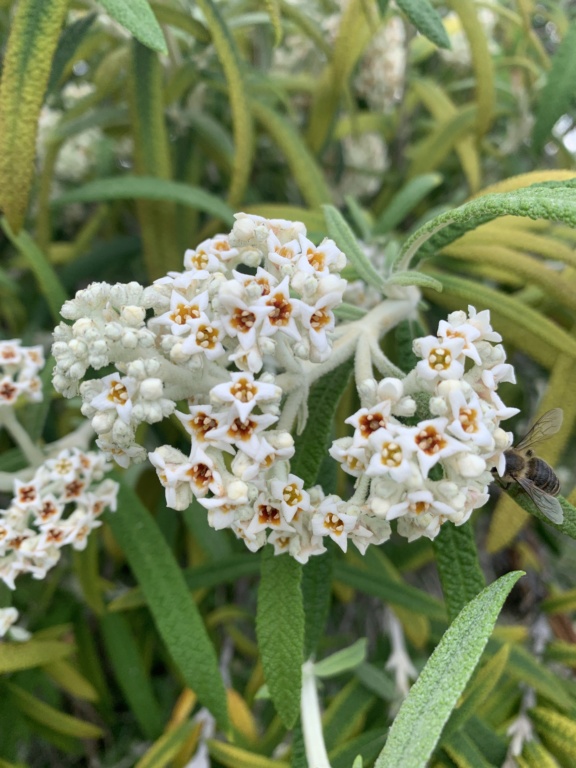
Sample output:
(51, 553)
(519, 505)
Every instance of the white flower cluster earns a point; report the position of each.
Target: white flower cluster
(60, 505)
(239, 336)
(439, 468)
(19, 367)
(382, 69)
(264, 290)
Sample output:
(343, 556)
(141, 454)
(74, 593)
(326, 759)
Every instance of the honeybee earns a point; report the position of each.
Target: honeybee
(532, 474)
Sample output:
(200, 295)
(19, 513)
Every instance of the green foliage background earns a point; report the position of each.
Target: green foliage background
(195, 111)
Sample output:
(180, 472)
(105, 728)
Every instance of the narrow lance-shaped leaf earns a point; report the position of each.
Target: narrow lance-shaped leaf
(26, 69)
(139, 20)
(227, 51)
(173, 609)
(535, 202)
(422, 716)
(46, 277)
(280, 631)
(457, 560)
(68, 44)
(340, 232)
(556, 96)
(148, 188)
(426, 20)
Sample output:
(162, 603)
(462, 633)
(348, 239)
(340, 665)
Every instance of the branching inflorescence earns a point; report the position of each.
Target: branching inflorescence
(239, 336)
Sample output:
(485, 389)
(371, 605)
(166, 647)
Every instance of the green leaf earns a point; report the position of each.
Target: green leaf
(229, 57)
(68, 44)
(46, 277)
(32, 653)
(312, 445)
(67, 677)
(304, 167)
(433, 696)
(405, 200)
(557, 95)
(412, 277)
(377, 681)
(426, 20)
(465, 753)
(174, 612)
(340, 232)
(457, 560)
(137, 17)
(148, 188)
(128, 666)
(316, 593)
(535, 202)
(359, 749)
(34, 32)
(390, 591)
(342, 661)
(280, 632)
(51, 718)
(568, 527)
(152, 157)
(167, 747)
(481, 686)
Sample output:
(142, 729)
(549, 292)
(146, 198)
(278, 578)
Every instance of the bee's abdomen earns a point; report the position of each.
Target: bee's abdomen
(543, 476)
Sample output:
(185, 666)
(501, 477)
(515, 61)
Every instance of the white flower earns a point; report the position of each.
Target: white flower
(244, 392)
(393, 450)
(329, 519)
(440, 359)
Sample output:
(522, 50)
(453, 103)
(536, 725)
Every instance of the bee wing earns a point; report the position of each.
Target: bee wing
(546, 426)
(547, 504)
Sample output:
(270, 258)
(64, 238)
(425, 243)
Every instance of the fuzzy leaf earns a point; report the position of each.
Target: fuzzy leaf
(340, 232)
(482, 684)
(174, 611)
(316, 593)
(311, 446)
(137, 17)
(535, 202)
(457, 560)
(433, 696)
(556, 96)
(280, 631)
(568, 526)
(558, 733)
(426, 20)
(33, 38)
(412, 277)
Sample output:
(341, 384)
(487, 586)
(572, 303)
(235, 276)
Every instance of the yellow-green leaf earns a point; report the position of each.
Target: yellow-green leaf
(33, 653)
(234, 757)
(33, 38)
(51, 718)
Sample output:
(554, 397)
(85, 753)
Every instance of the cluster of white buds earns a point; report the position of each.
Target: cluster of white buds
(59, 505)
(438, 469)
(19, 367)
(240, 336)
